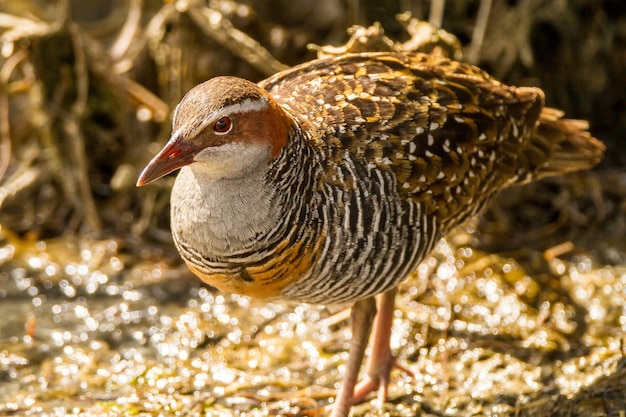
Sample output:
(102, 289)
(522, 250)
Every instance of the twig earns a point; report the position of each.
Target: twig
(473, 53)
(128, 31)
(147, 210)
(120, 82)
(153, 33)
(23, 176)
(19, 28)
(558, 250)
(71, 126)
(158, 108)
(354, 13)
(435, 16)
(5, 128)
(18, 181)
(509, 39)
(222, 31)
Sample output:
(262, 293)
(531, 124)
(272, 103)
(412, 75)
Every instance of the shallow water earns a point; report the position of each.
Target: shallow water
(90, 330)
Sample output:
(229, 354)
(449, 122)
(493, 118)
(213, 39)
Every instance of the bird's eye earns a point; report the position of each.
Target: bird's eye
(223, 125)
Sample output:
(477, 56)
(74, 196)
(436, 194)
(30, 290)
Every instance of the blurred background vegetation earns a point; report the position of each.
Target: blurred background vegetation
(87, 88)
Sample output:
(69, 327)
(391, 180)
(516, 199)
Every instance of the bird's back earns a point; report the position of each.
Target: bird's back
(451, 135)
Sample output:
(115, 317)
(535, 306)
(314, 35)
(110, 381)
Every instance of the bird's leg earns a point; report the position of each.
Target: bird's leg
(362, 315)
(380, 360)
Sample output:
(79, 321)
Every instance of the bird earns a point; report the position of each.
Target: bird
(329, 182)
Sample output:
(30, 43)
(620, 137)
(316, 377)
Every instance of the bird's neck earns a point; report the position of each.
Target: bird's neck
(227, 219)
(221, 216)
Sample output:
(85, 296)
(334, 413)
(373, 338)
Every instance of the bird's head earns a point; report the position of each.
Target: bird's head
(226, 127)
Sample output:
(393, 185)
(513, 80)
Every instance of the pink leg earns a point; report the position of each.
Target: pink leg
(381, 360)
(362, 316)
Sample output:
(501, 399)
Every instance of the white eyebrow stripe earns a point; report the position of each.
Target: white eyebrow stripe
(246, 105)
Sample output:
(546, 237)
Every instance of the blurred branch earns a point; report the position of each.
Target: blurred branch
(5, 128)
(24, 176)
(221, 30)
(101, 66)
(152, 33)
(66, 90)
(437, 8)
(130, 28)
(473, 51)
(71, 127)
(424, 37)
(509, 38)
(20, 28)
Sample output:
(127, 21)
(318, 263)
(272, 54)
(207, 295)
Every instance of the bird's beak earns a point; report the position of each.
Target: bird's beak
(175, 154)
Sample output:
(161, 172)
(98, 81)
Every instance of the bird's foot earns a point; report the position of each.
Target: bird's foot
(378, 380)
(373, 382)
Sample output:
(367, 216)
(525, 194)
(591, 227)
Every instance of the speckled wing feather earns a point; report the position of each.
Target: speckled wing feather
(442, 127)
(451, 134)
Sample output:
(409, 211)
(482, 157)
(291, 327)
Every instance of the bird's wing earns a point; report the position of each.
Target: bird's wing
(449, 132)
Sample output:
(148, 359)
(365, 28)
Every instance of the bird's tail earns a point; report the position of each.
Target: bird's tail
(573, 147)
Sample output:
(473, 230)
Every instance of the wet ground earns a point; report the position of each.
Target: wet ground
(92, 330)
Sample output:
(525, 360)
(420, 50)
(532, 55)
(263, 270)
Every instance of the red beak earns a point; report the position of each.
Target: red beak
(175, 154)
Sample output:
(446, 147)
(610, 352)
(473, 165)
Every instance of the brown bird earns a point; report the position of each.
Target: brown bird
(329, 182)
